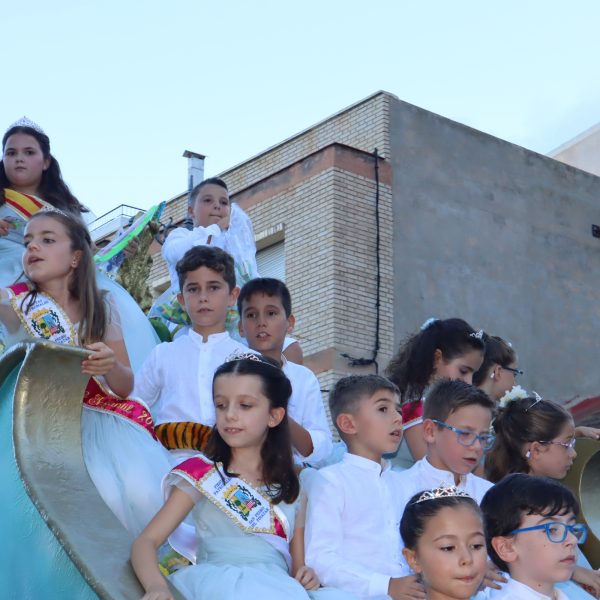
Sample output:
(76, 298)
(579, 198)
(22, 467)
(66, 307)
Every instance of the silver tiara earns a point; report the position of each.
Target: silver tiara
(53, 209)
(477, 334)
(441, 492)
(244, 356)
(25, 122)
(428, 323)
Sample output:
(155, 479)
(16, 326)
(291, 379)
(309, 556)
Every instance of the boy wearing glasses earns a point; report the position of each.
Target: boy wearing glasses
(456, 428)
(531, 533)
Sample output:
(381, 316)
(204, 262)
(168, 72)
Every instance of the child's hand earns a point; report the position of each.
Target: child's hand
(223, 222)
(131, 248)
(100, 361)
(589, 579)
(5, 227)
(406, 588)
(493, 577)
(158, 593)
(587, 432)
(308, 578)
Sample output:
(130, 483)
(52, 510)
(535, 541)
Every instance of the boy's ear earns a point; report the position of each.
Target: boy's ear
(429, 428)
(233, 295)
(411, 559)
(291, 323)
(276, 415)
(505, 548)
(180, 300)
(346, 423)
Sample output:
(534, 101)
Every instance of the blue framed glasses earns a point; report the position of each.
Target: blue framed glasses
(468, 438)
(557, 532)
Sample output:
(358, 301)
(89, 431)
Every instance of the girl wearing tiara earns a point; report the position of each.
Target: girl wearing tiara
(537, 437)
(30, 180)
(444, 543)
(441, 349)
(244, 495)
(60, 302)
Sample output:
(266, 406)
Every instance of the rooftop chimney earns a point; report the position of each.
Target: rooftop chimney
(195, 168)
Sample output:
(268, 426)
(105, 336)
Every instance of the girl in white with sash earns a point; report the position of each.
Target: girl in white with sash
(30, 180)
(60, 302)
(244, 495)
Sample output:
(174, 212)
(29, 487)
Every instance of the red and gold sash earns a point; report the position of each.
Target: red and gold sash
(44, 318)
(25, 205)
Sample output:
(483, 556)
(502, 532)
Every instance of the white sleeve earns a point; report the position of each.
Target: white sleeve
(148, 382)
(324, 540)
(313, 419)
(239, 242)
(180, 240)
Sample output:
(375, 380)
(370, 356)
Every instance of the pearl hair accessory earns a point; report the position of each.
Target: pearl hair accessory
(477, 334)
(25, 122)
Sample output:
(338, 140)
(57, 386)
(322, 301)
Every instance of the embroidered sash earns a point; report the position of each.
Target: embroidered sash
(248, 508)
(24, 205)
(412, 413)
(46, 319)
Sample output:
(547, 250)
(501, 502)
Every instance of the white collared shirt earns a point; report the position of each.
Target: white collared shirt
(175, 381)
(424, 476)
(352, 535)
(306, 408)
(515, 590)
(181, 239)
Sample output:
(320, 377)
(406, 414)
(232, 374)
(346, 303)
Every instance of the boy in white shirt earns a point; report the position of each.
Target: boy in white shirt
(352, 534)
(265, 308)
(531, 533)
(175, 381)
(456, 428)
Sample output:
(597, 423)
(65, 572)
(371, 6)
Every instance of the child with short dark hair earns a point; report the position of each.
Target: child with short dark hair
(444, 542)
(265, 308)
(352, 532)
(532, 534)
(537, 437)
(176, 379)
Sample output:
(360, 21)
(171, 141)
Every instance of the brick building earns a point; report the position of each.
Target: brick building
(312, 201)
(469, 226)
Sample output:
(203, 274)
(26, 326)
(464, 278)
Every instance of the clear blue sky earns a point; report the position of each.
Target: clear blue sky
(123, 87)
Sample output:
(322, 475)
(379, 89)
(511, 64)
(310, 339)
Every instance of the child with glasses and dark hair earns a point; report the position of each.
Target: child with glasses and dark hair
(531, 533)
(537, 437)
(498, 372)
(456, 429)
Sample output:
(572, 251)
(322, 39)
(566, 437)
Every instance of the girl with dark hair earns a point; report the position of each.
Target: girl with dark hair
(537, 437)
(60, 302)
(498, 372)
(31, 180)
(441, 349)
(244, 495)
(444, 542)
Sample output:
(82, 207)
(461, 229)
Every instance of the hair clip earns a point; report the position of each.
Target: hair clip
(428, 323)
(477, 334)
(517, 393)
(538, 399)
(441, 492)
(25, 122)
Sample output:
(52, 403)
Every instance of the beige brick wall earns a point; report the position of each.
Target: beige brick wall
(364, 125)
